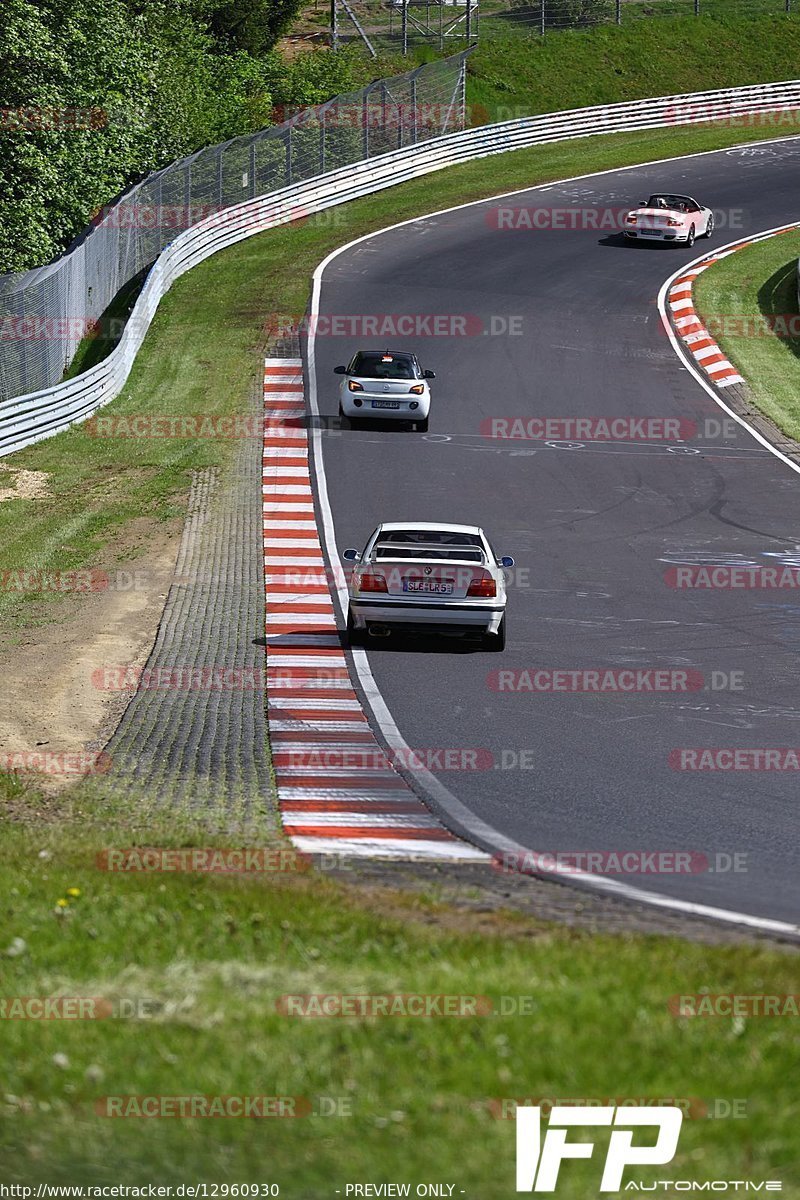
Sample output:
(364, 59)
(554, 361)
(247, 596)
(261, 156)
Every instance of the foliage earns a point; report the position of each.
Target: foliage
(93, 97)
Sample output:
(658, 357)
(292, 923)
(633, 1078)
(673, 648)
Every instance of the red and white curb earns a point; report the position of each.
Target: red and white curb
(689, 325)
(337, 790)
(693, 333)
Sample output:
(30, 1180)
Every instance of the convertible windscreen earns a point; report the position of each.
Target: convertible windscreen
(383, 366)
(667, 200)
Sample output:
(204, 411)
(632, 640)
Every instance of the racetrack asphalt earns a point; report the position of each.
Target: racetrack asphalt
(594, 527)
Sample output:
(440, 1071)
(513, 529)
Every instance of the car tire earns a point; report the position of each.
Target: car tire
(709, 227)
(422, 426)
(496, 641)
(690, 237)
(355, 637)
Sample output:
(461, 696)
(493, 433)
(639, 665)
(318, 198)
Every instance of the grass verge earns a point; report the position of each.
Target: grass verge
(196, 965)
(749, 302)
(517, 72)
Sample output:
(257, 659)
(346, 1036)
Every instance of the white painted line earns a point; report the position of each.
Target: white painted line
(393, 848)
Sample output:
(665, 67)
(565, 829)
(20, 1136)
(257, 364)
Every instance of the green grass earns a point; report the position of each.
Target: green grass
(514, 73)
(205, 960)
(749, 301)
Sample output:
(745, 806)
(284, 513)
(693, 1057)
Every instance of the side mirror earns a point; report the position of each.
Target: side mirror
(428, 374)
(351, 555)
(340, 370)
(506, 561)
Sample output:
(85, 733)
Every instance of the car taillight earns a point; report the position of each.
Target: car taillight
(354, 387)
(370, 582)
(417, 389)
(673, 221)
(485, 586)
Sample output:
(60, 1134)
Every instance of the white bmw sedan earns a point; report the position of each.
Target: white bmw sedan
(421, 577)
(666, 217)
(385, 384)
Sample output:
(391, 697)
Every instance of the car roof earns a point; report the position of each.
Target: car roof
(445, 526)
(394, 353)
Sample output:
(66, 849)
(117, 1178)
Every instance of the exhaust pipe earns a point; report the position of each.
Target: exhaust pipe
(382, 631)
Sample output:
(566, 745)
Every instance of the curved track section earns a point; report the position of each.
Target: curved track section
(598, 525)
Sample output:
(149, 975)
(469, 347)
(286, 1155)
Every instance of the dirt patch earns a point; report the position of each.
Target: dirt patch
(58, 714)
(25, 485)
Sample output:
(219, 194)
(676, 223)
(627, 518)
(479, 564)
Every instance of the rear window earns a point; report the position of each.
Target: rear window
(430, 544)
(374, 365)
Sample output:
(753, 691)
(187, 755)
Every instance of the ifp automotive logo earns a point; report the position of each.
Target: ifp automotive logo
(539, 1159)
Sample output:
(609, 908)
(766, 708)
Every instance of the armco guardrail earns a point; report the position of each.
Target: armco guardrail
(27, 419)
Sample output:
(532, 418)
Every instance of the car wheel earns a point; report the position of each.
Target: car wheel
(422, 426)
(710, 226)
(691, 236)
(496, 641)
(355, 637)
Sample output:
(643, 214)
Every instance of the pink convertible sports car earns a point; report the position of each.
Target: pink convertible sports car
(668, 218)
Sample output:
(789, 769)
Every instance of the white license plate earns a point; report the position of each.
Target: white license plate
(431, 586)
(385, 403)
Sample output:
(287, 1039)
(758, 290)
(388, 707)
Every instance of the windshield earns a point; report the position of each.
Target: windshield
(374, 365)
(667, 200)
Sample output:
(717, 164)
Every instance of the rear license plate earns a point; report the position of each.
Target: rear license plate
(385, 403)
(431, 586)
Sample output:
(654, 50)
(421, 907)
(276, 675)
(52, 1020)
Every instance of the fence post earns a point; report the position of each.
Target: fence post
(697, 8)
(788, 6)
(469, 21)
(541, 16)
(323, 114)
(405, 28)
(414, 110)
(289, 153)
(619, 12)
(365, 122)
(334, 25)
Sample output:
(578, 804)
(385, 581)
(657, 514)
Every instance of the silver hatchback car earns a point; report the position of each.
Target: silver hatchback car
(384, 384)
